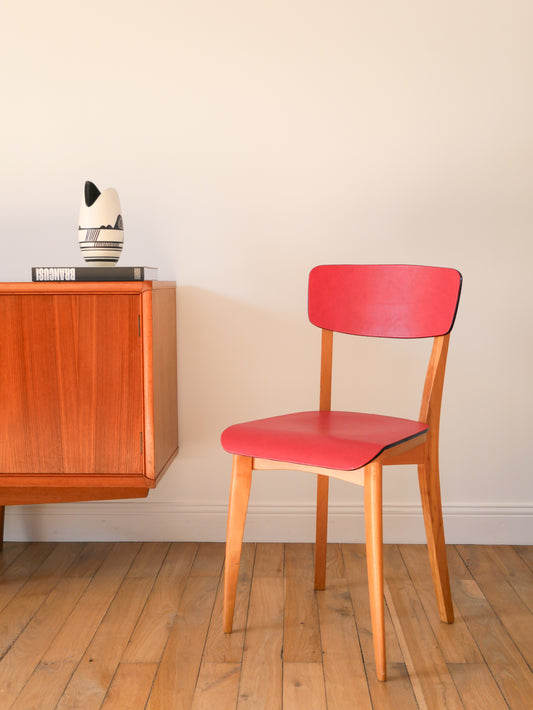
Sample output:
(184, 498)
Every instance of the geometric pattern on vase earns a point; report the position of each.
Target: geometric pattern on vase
(101, 228)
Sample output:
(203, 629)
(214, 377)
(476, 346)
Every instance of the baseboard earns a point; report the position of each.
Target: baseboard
(151, 520)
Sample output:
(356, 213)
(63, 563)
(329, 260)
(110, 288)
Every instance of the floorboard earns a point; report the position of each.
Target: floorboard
(137, 626)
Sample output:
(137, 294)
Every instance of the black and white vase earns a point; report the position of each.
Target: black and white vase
(101, 230)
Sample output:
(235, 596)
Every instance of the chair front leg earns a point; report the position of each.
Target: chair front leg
(374, 561)
(321, 540)
(428, 479)
(241, 480)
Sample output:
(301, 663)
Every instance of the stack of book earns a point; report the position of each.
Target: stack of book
(93, 273)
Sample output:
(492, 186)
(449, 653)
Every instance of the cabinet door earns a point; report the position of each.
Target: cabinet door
(71, 394)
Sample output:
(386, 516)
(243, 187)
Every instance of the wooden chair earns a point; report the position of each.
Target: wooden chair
(391, 301)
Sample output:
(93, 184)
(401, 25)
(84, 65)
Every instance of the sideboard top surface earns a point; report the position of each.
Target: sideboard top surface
(58, 287)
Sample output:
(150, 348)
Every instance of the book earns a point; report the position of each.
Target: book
(93, 273)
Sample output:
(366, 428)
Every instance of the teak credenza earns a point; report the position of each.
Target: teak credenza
(88, 390)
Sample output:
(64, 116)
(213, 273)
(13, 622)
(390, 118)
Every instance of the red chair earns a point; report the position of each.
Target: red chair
(392, 301)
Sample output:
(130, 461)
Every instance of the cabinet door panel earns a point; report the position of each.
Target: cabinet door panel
(70, 384)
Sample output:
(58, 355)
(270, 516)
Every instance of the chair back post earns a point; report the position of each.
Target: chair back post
(434, 384)
(429, 478)
(326, 363)
(322, 482)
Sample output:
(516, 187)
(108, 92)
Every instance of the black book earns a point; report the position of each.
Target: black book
(93, 273)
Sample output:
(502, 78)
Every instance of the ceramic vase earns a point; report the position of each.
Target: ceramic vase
(101, 230)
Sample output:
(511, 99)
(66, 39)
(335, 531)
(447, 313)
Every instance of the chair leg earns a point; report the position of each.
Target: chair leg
(321, 541)
(2, 519)
(374, 560)
(428, 479)
(241, 480)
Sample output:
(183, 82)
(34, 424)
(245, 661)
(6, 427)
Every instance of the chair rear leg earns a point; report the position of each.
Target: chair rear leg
(428, 479)
(374, 561)
(241, 480)
(321, 541)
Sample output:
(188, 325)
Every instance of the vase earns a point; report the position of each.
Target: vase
(101, 229)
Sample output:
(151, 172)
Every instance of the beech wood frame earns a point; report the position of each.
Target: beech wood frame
(422, 450)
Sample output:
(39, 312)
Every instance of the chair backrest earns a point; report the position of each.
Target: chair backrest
(386, 301)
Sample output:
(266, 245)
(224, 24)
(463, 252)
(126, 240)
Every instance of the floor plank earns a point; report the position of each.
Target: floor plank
(434, 687)
(9, 553)
(29, 598)
(269, 559)
(500, 654)
(217, 686)
(455, 640)
(90, 682)
(477, 687)
(262, 666)
(138, 625)
(344, 670)
(227, 648)
(397, 692)
(22, 658)
(130, 687)
(153, 628)
(178, 670)
(509, 607)
(515, 571)
(301, 626)
(68, 647)
(16, 572)
(303, 686)
(526, 553)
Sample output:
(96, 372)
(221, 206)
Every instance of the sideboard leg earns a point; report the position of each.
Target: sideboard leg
(2, 515)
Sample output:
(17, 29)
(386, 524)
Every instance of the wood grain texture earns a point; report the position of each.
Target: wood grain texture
(96, 670)
(20, 609)
(261, 684)
(241, 481)
(321, 535)
(344, 670)
(78, 620)
(130, 687)
(434, 686)
(303, 686)
(178, 670)
(301, 625)
(227, 648)
(398, 690)
(22, 658)
(164, 377)
(88, 387)
(374, 559)
(501, 656)
(148, 640)
(456, 642)
(514, 613)
(66, 407)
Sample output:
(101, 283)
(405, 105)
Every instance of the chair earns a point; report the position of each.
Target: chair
(385, 301)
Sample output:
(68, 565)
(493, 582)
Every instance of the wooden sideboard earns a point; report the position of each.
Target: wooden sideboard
(88, 390)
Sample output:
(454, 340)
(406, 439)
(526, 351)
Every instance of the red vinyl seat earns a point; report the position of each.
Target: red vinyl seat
(337, 440)
(392, 301)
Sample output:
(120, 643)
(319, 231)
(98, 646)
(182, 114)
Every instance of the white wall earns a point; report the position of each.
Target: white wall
(248, 142)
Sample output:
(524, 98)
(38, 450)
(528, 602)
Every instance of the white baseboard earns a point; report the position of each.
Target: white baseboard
(146, 520)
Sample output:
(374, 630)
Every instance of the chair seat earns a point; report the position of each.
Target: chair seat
(338, 440)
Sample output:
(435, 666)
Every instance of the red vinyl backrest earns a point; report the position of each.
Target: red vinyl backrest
(387, 301)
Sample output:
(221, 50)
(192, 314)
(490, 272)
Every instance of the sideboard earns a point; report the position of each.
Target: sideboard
(88, 390)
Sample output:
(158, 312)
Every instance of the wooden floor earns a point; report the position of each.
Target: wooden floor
(133, 625)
